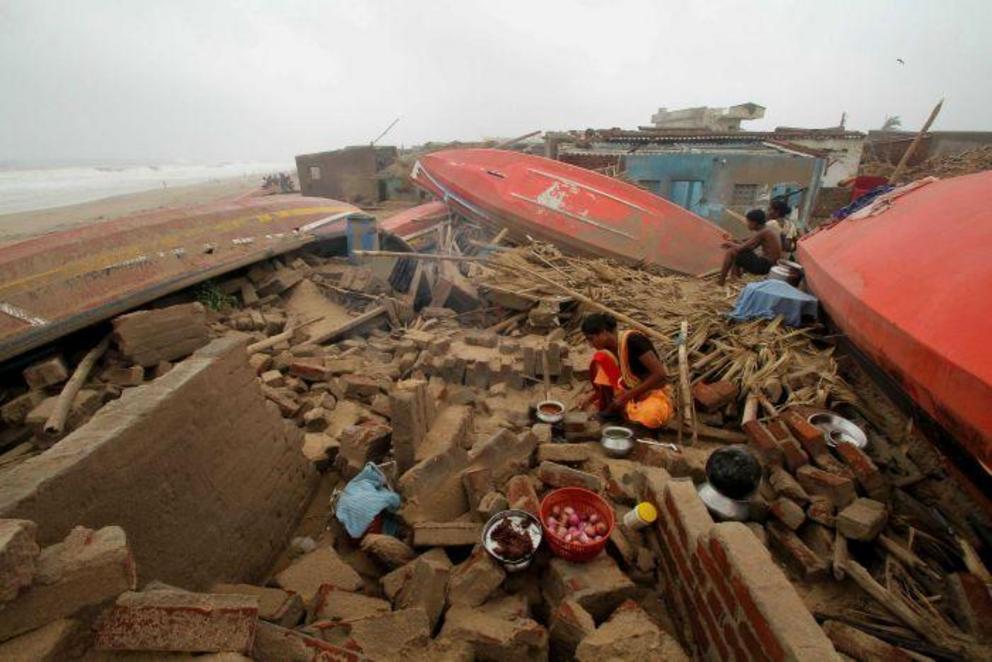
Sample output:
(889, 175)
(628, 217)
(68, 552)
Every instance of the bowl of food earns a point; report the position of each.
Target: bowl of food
(550, 411)
(511, 537)
(617, 440)
(577, 523)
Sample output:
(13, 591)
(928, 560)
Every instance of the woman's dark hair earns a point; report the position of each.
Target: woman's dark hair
(597, 323)
(781, 206)
(733, 471)
(758, 216)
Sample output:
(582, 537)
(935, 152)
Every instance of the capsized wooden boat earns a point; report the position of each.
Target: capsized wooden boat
(909, 280)
(573, 207)
(57, 283)
(409, 223)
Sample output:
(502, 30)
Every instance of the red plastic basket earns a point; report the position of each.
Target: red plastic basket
(581, 500)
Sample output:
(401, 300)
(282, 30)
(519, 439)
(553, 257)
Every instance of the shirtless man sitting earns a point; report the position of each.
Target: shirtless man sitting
(756, 255)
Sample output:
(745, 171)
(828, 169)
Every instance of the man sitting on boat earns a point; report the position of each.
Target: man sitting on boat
(628, 378)
(756, 255)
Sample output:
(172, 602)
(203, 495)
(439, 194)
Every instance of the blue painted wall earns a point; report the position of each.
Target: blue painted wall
(718, 172)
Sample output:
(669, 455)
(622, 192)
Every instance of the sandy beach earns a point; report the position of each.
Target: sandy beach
(23, 225)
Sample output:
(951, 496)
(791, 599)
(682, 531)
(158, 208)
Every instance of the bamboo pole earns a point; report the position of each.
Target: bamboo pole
(56, 422)
(916, 141)
(688, 413)
(272, 341)
(423, 256)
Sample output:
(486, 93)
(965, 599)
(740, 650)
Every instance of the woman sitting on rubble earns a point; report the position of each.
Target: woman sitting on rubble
(628, 378)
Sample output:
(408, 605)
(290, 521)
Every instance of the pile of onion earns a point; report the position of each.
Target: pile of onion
(571, 525)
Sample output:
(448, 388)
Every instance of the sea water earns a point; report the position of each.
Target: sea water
(25, 189)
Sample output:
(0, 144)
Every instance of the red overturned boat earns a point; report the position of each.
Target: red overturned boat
(909, 281)
(580, 209)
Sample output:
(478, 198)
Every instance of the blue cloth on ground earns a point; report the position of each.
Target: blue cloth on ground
(768, 299)
(365, 496)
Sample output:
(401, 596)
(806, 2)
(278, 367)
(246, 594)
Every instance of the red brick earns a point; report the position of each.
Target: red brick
(720, 557)
(788, 512)
(712, 397)
(709, 621)
(838, 489)
(730, 637)
(311, 370)
(750, 643)
(830, 464)
(865, 472)
(794, 552)
(763, 443)
(793, 456)
(520, 494)
(691, 517)
(809, 436)
(559, 475)
(716, 607)
(822, 510)
(179, 621)
(717, 578)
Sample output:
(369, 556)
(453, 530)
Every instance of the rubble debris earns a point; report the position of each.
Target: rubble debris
(388, 550)
(46, 373)
(862, 520)
(629, 634)
(422, 582)
(570, 624)
(474, 580)
(86, 569)
(597, 586)
(446, 534)
(179, 621)
(18, 556)
(60, 639)
(148, 337)
(322, 566)
(275, 605)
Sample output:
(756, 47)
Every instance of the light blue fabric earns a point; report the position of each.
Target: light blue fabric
(364, 497)
(768, 299)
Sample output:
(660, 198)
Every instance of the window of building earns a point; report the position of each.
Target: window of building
(314, 172)
(653, 185)
(745, 195)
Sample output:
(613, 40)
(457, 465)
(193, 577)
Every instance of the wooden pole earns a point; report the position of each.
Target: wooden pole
(272, 341)
(546, 368)
(916, 141)
(688, 414)
(423, 256)
(56, 422)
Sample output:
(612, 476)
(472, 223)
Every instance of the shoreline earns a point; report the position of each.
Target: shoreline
(18, 226)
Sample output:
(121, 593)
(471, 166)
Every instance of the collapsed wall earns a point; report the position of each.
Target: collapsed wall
(202, 473)
(732, 600)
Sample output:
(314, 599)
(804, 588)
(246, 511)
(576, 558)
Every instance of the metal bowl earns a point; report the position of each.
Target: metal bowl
(838, 430)
(617, 441)
(522, 520)
(549, 417)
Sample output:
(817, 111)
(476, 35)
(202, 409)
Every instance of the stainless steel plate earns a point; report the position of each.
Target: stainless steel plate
(838, 430)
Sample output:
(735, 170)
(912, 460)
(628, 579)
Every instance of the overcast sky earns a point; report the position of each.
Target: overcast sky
(206, 80)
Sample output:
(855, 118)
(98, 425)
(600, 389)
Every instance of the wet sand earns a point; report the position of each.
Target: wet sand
(18, 226)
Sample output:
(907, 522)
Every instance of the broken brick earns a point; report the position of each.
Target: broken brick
(788, 512)
(629, 634)
(446, 534)
(763, 443)
(838, 489)
(569, 625)
(472, 581)
(86, 569)
(598, 586)
(334, 604)
(422, 582)
(147, 337)
(179, 621)
(794, 552)
(782, 482)
(275, 605)
(46, 373)
(388, 550)
(308, 573)
(311, 370)
(520, 494)
(493, 636)
(863, 520)
(559, 475)
(392, 635)
(821, 510)
(714, 396)
(865, 472)
(565, 453)
(278, 644)
(18, 556)
(62, 639)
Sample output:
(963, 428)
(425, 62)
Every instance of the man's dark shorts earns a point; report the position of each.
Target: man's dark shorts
(752, 263)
